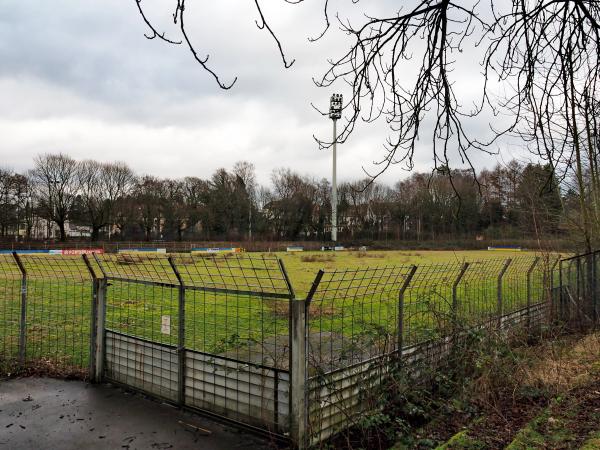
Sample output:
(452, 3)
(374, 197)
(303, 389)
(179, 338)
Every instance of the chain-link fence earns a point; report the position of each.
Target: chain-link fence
(208, 332)
(226, 335)
(578, 302)
(11, 291)
(362, 323)
(45, 313)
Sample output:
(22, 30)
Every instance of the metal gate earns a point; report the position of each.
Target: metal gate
(205, 332)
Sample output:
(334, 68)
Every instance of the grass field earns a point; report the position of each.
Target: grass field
(356, 306)
(303, 266)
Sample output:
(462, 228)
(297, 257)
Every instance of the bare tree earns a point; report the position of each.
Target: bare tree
(148, 196)
(179, 8)
(549, 51)
(25, 207)
(6, 200)
(102, 185)
(246, 174)
(176, 210)
(538, 57)
(57, 185)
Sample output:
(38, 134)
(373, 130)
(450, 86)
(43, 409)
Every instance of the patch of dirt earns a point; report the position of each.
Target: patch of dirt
(278, 307)
(578, 415)
(126, 260)
(365, 254)
(44, 367)
(318, 258)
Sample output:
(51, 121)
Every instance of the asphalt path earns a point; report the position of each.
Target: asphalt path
(44, 413)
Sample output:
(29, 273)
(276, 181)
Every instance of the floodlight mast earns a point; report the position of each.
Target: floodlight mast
(335, 113)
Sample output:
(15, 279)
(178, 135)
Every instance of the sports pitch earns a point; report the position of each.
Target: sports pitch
(303, 266)
(59, 307)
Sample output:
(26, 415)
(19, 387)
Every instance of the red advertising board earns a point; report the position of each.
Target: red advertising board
(82, 251)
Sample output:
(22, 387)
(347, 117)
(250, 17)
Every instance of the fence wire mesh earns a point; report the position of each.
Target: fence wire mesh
(476, 299)
(237, 336)
(428, 302)
(250, 273)
(133, 267)
(353, 316)
(237, 307)
(578, 284)
(359, 319)
(221, 321)
(58, 305)
(10, 310)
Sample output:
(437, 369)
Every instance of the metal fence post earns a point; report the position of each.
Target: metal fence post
(529, 271)
(180, 335)
(560, 290)
(578, 295)
(23, 318)
(590, 294)
(500, 302)
(93, 320)
(286, 278)
(551, 290)
(594, 288)
(454, 310)
(405, 285)
(100, 324)
(101, 295)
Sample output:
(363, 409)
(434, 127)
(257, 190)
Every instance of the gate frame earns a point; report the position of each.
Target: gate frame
(98, 347)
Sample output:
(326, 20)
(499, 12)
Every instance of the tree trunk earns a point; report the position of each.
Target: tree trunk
(578, 168)
(95, 232)
(593, 168)
(61, 228)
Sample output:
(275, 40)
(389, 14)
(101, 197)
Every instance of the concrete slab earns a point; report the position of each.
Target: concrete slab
(43, 413)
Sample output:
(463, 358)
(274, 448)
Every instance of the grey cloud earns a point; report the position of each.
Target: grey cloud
(80, 77)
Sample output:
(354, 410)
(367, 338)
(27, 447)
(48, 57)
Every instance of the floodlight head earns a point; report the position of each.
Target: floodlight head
(335, 107)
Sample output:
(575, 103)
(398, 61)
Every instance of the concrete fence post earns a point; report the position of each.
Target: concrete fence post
(299, 375)
(299, 322)
(500, 299)
(23, 314)
(180, 335)
(529, 271)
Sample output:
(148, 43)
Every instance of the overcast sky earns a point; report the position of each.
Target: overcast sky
(80, 77)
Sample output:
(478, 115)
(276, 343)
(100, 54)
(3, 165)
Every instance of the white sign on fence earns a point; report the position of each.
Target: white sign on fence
(165, 324)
